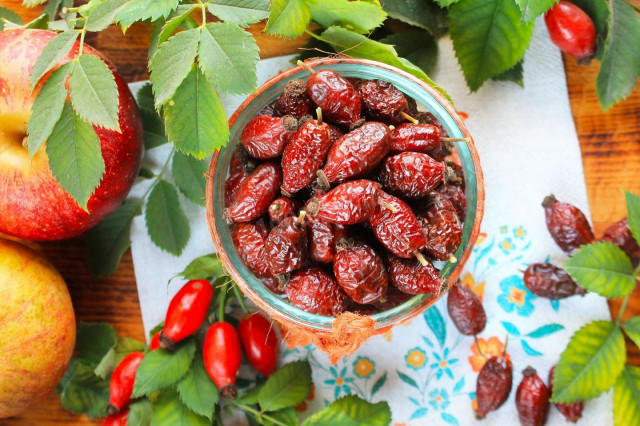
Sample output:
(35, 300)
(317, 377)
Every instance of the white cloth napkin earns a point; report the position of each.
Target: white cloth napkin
(426, 370)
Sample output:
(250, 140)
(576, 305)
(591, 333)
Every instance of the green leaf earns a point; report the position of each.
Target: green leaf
(146, 173)
(57, 48)
(488, 38)
(626, 397)
(514, 74)
(287, 387)
(66, 378)
(106, 366)
(287, 416)
(39, 23)
(160, 369)
(204, 267)
(32, 3)
(205, 128)
(153, 126)
(141, 10)
(189, 174)
(590, 364)
(288, 18)
(632, 328)
(172, 64)
(352, 410)
(240, 12)
(531, 9)
(139, 413)
(633, 214)
(250, 397)
(359, 16)
(169, 26)
(9, 15)
(602, 268)
(197, 391)
(418, 46)
(169, 410)
(228, 57)
(47, 108)
(104, 14)
(93, 341)
(144, 97)
(85, 392)
(75, 156)
(418, 13)
(125, 346)
(107, 241)
(167, 224)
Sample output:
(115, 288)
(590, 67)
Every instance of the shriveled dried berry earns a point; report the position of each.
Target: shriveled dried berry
(411, 174)
(456, 195)
(304, 155)
(411, 277)
(441, 227)
(287, 246)
(255, 193)
(397, 228)
(394, 298)
(466, 310)
(335, 133)
(239, 169)
(454, 172)
(415, 138)
(315, 291)
(532, 399)
(281, 208)
(273, 284)
(551, 282)
(249, 239)
(382, 101)
(494, 384)
(360, 271)
(336, 96)
(620, 235)
(572, 412)
(265, 137)
(294, 100)
(356, 153)
(348, 203)
(428, 118)
(568, 226)
(323, 237)
(270, 110)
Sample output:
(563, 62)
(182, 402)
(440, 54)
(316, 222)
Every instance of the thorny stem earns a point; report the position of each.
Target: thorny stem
(258, 414)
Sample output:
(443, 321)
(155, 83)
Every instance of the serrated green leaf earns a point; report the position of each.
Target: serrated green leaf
(94, 340)
(57, 48)
(172, 63)
(531, 9)
(418, 13)
(167, 409)
(47, 108)
(66, 378)
(602, 268)
(204, 267)
(488, 38)
(59, 25)
(126, 345)
(358, 16)
(139, 413)
(514, 74)
(632, 328)
(153, 126)
(162, 29)
(203, 130)
(106, 366)
(75, 156)
(104, 14)
(108, 240)
(53, 5)
(626, 397)
(85, 392)
(32, 3)
(590, 364)
(10, 16)
(228, 57)
(141, 10)
(240, 12)
(167, 225)
(286, 416)
(144, 98)
(39, 23)
(197, 391)
(189, 174)
(287, 387)
(160, 369)
(94, 93)
(288, 18)
(633, 214)
(418, 46)
(250, 397)
(352, 410)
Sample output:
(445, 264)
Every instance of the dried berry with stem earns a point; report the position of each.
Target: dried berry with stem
(382, 101)
(466, 310)
(315, 291)
(360, 271)
(283, 207)
(412, 277)
(415, 138)
(567, 225)
(287, 246)
(265, 137)
(441, 228)
(411, 174)
(551, 282)
(250, 239)
(620, 235)
(255, 193)
(294, 100)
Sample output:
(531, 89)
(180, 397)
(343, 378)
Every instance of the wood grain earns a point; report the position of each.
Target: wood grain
(610, 145)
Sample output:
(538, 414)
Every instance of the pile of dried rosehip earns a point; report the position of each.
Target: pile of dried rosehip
(342, 193)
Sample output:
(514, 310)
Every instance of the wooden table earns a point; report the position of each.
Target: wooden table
(610, 145)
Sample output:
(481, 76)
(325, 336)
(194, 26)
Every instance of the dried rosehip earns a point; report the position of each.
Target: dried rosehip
(572, 412)
(304, 155)
(465, 310)
(415, 138)
(323, 237)
(250, 240)
(264, 137)
(356, 153)
(281, 208)
(620, 235)
(334, 133)
(360, 271)
(532, 399)
(411, 277)
(255, 194)
(551, 282)
(454, 172)
(572, 30)
(286, 246)
(382, 101)
(239, 169)
(394, 298)
(428, 118)
(270, 110)
(397, 228)
(568, 226)
(294, 100)
(315, 291)
(494, 384)
(411, 174)
(441, 227)
(273, 284)
(456, 195)
(348, 203)
(336, 96)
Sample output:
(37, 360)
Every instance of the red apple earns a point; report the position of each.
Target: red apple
(32, 203)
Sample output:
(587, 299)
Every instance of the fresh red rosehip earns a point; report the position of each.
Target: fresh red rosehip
(294, 100)
(411, 174)
(281, 208)
(572, 412)
(265, 137)
(382, 101)
(155, 342)
(620, 235)
(441, 227)
(348, 203)
(411, 277)
(286, 247)
(255, 194)
(186, 313)
(397, 228)
(122, 379)
(118, 419)
(356, 153)
(260, 343)
(494, 384)
(567, 225)
(360, 272)
(532, 399)
(304, 155)
(323, 237)
(250, 238)
(571, 29)
(466, 310)
(551, 282)
(456, 195)
(415, 138)
(336, 96)
(222, 356)
(315, 291)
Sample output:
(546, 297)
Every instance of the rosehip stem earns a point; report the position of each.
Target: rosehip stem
(319, 114)
(420, 258)
(453, 259)
(408, 117)
(506, 343)
(306, 67)
(303, 214)
(387, 206)
(475, 338)
(465, 140)
(259, 414)
(392, 127)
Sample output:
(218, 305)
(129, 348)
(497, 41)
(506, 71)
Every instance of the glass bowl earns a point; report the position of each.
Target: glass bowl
(428, 99)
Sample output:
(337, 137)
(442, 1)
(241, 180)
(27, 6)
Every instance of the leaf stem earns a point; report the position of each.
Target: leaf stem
(223, 296)
(203, 8)
(82, 34)
(239, 297)
(623, 308)
(259, 414)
